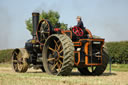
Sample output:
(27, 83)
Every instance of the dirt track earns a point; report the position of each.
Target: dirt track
(36, 77)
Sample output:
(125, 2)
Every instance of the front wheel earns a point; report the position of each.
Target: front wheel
(58, 55)
(19, 60)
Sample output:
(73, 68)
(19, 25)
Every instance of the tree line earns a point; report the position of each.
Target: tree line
(118, 51)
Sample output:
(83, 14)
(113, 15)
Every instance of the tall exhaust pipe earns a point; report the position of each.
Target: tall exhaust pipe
(35, 21)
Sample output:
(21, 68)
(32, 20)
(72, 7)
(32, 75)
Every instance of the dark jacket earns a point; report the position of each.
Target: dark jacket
(80, 24)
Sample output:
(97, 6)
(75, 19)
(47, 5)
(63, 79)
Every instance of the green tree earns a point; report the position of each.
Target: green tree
(118, 51)
(52, 16)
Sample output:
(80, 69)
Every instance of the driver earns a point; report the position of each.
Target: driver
(80, 23)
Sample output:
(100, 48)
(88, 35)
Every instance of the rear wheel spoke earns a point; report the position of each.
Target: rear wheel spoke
(58, 67)
(51, 59)
(60, 62)
(54, 66)
(51, 49)
(61, 56)
(61, 51)
(59, 47)
(56, 43)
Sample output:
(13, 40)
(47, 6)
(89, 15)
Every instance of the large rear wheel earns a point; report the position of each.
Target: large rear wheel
(96, 70)
(58, 55)
(19, 60)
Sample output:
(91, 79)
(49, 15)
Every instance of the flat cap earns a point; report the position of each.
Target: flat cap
(78, 17)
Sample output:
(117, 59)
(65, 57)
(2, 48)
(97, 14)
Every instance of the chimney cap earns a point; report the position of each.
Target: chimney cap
(35, 14)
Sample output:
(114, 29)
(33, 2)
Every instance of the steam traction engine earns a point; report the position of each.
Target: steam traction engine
(57, 51)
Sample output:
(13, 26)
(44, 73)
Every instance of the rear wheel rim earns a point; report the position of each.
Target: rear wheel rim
(55, 57)
(61, 48)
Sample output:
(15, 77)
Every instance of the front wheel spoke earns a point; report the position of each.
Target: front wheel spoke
(20, 66)
(54, 66)
(60, 62)
(15, 66)
(51, 49)
(15, 53)
(18, 56)
(51, 59)
(15, 61)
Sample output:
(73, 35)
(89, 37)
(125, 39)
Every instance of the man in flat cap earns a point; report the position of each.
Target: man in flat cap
(80, 23)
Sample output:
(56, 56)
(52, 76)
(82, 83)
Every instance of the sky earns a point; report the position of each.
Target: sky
(105, 18)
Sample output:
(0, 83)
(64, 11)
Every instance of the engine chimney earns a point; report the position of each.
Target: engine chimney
(35, 21)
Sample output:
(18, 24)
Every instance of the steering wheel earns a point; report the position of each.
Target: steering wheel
(77, 31)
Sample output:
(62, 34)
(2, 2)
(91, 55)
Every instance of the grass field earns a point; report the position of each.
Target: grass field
(119, 67)
(36, 77)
